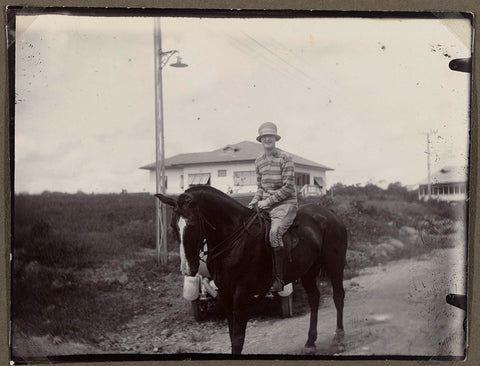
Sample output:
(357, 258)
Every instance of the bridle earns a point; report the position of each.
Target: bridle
(232, 239)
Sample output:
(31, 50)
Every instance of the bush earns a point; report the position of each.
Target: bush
(375, 218)
(56, 235)
(441, 208)
(394, 191)
(44, 245)
(136, 234)
(49, 301)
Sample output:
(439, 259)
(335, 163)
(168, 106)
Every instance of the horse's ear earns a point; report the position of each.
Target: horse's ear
(167, 200)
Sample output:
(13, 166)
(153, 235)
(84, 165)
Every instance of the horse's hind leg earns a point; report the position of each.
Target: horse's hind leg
(309, 283)
(336, 277)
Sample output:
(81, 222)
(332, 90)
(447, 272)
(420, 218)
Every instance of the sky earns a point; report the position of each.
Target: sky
(358, 95)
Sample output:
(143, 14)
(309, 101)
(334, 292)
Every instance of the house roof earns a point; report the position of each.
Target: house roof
(244, 151)
(448, 174)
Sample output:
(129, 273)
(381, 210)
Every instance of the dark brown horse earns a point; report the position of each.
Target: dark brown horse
(240, 260)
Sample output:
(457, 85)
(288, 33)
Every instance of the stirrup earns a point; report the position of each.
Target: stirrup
(277, 285)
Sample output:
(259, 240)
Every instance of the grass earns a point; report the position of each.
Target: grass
(60, 238)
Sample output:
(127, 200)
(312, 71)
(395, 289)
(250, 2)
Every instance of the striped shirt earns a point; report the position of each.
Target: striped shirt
(275, 179)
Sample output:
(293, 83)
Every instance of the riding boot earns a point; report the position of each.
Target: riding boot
(277, 283)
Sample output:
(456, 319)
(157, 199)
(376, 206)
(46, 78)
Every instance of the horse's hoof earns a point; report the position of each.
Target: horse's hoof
(310, 350)
(337, 342)
(339, 335)
(340, 348)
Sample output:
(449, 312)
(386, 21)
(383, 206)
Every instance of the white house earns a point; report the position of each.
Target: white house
(448, 184)
(231, 169)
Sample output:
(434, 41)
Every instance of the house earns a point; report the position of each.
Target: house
(231, 169)
(448, 184)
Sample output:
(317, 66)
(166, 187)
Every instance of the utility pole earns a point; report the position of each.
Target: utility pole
(429, 181)
(161, 59)
(161, 213)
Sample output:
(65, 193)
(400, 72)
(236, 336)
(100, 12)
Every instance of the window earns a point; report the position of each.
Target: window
(199, 179)
(181, 181)
(247, 178)
(422, 190)
(301, 179)
(318, 181)
(222, 172)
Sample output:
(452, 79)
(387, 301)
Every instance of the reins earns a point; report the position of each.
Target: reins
(234, 237)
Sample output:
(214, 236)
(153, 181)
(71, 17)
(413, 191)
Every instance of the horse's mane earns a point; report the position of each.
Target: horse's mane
(217, 194)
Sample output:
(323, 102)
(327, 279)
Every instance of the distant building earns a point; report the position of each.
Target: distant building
(231, 169)
(448, 184)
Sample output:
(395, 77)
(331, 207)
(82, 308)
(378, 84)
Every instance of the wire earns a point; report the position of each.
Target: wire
(277, 56)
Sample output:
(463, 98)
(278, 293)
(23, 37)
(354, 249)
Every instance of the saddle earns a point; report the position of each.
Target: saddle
(290, 238)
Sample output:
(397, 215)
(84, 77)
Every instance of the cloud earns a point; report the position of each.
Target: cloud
(86, 115)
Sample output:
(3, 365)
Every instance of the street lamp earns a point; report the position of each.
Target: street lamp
(179, 63)
(161, 59)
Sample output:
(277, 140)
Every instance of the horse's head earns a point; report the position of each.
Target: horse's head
(199, 212)
(186, 222)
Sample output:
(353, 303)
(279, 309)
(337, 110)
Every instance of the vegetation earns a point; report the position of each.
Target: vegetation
(390, 224)
(57, 238)
(74, 253)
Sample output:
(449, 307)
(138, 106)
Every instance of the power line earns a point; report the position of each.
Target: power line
(333, 88)
(253, 53)
(277, 56)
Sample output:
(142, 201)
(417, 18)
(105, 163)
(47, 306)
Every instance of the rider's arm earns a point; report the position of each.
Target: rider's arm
(259, 194)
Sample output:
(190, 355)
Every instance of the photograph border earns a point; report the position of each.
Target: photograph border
(282, 8)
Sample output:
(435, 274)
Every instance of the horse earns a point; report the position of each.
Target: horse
(239, 256)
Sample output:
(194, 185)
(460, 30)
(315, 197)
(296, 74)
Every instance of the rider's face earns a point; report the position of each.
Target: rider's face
(268, 141)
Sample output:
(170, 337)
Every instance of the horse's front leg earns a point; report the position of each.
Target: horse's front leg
(226, 301)
(241, 303)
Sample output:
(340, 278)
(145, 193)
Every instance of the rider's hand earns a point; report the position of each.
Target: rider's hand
(262, 204)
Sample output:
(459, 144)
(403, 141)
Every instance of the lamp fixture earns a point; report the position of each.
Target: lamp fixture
(179, 63)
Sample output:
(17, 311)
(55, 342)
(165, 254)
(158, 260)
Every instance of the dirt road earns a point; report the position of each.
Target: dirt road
(397, 309)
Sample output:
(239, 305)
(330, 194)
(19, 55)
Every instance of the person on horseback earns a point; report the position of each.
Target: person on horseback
(276, 194)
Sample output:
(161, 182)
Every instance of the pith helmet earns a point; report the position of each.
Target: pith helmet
(267, 128)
